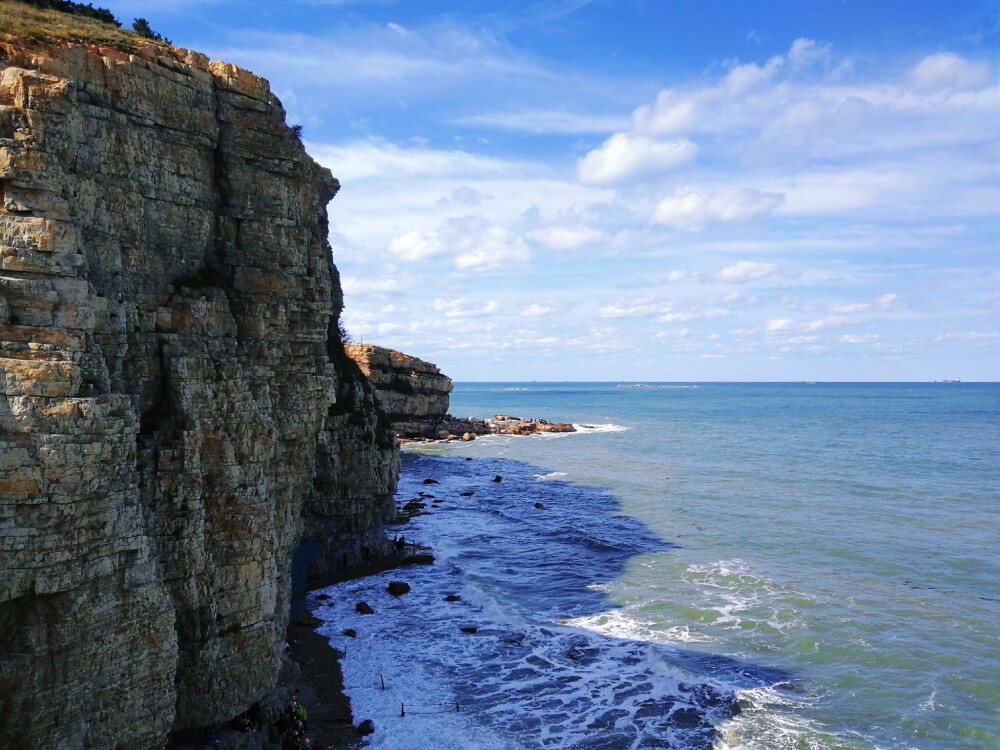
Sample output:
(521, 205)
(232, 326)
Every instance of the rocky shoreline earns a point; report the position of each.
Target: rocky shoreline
(312, 673)
(451, 428)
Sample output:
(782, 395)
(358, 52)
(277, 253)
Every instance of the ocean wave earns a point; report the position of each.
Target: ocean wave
(601, 427)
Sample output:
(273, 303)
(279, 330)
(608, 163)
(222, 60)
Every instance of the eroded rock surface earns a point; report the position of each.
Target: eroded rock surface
(412, 391)
(177, 415)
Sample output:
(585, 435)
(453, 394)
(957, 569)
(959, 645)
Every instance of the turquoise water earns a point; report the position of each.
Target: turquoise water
(820, 561)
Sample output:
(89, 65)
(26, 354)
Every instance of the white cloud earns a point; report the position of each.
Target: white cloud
(495, 247)
(692, 211)
(677, 276)
(379, 159)
(805, 52)
(634, 308)
(465, 308)
(470, 241)
(787, 325)
(849, 338)
(691, 316)
(568, 238)
(969, 336)
(745, 271)
(948, 70)
(535, 310)
(625, 157)
(416, 246)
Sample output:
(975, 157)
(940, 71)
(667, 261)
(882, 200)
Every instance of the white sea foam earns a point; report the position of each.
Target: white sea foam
(551, 476)
(607, 427)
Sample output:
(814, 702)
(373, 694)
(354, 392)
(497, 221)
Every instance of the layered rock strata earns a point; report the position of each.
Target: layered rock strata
(413, 392)
(177, 416)
(416, 396)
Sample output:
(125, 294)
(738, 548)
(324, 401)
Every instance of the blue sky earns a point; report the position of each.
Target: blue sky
(647, 190)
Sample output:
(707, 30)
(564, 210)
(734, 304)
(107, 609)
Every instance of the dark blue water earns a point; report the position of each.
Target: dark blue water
(727, 565)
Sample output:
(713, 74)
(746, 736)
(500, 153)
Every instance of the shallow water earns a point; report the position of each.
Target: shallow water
(748, 566)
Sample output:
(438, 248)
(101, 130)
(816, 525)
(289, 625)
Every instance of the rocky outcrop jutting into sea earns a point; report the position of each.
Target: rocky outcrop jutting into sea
(415, 395)
(177, 416)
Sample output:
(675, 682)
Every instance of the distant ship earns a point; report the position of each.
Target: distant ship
(950, 381)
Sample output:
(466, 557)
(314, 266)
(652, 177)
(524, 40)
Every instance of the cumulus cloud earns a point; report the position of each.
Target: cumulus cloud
(948, 70)
(471, 241)
(805, 52)
(626, 157)
(692, 210)
(416, 246)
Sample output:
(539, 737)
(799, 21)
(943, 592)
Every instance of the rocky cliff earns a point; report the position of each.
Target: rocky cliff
(415, 395)
(413, 392)
(178, 421)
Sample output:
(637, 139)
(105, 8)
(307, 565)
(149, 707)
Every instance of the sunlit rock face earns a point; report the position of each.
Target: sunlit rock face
(413, 392)
(176, 411)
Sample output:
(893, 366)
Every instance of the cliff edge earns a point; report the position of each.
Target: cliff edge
(181, 433)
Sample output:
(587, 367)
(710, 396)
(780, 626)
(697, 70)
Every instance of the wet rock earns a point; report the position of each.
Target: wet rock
(431, 481)
(467, 493)
(364, 608)
(322, 597)
(351, 633)
(453, 598)
(685, 718)
(498, 478)
(366, 727)
(470, 629)
(541, 506)
(398, 588)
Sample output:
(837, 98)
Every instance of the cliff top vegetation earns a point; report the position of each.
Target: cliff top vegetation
(60, 20)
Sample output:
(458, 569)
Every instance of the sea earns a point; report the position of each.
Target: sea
(752, 566)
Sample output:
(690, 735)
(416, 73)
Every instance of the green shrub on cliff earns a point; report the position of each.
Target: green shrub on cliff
(141, 27)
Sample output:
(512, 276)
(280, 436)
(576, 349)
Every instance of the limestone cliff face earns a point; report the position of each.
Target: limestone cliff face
(413, 392)
(176, 411)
